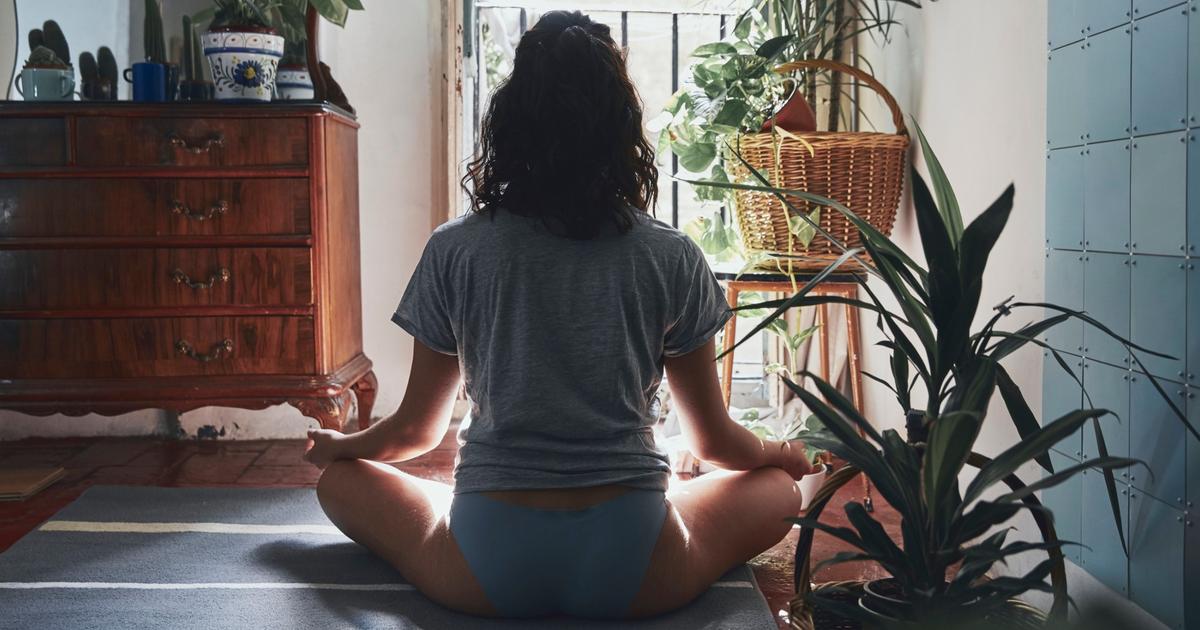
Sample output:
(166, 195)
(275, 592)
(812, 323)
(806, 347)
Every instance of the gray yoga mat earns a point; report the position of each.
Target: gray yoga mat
(85, 569)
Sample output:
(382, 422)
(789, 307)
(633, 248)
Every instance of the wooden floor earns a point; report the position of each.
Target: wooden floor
(91, 461)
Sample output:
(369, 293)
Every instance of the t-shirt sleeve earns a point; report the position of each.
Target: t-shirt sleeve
(700, 307)
(423, 311)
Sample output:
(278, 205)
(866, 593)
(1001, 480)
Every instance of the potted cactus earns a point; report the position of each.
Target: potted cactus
(47, 74)
(243, 49)
(192, 85)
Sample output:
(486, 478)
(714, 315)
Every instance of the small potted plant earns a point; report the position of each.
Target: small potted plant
(243, 50)
(47, 74)
(792, 431)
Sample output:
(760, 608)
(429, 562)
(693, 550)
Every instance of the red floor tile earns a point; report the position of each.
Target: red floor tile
(306, 475)
(283, 453)
(108, 453)
(211, 467)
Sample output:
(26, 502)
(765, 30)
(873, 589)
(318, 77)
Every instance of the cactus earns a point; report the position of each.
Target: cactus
(188, 69)
(36, 38)
(56, 41)
(108, 67)
(44, 57)
(89, 71)
(156, 47)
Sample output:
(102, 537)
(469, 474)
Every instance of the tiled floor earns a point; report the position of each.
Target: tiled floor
(277, 463)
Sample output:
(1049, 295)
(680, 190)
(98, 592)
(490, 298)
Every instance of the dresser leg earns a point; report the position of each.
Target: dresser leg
(365, 390)
(330, 412)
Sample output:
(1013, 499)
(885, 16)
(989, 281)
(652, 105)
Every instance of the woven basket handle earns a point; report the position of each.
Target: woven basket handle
(861, 75)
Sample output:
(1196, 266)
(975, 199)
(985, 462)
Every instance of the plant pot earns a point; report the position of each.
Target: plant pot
(294, 83)
(243, 63)
(883, 597)
(37, 83)
(795, 115)
(809, 484)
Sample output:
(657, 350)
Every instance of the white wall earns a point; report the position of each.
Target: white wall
(388, 62)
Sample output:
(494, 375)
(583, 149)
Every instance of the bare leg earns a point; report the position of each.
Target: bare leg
(402, 519)
(714, 523)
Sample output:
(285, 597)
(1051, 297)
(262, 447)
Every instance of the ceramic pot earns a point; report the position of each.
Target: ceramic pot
(243, 63)
(796, 115)
(810, 483)
(294, 83)
(46, 84)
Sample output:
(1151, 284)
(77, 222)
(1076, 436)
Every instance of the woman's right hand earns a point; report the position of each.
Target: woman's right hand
(791, 458)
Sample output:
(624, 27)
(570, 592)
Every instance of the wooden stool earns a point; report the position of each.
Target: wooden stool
(767, 282)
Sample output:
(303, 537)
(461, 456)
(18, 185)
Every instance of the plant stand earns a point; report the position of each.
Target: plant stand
(844, 285)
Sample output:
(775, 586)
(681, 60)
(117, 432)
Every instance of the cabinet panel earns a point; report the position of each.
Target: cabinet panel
(1191, 569)
(1158, 312)
(1157, 437)
(1107, 63)
(1102, 554)
(1160, 80)
(1064, 198)
(1102, 15)
(1106, 299)
(1106, 196)
(1193, 63)
(1193, 323)
(1142, 8)
(1066, 501)
(1064, 112)
(1064, 286)
(1156, 580)
(1064, 22)
(1193, 187)
(1061, 394)
(1108, 388)
(1158, 188)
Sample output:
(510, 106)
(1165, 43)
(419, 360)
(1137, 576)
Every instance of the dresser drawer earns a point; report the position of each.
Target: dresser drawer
(33, 142)
(155, 347)
(197, 142)
(140, 278)
(153, 207)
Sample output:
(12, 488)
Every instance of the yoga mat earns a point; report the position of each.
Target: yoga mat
(149, 557)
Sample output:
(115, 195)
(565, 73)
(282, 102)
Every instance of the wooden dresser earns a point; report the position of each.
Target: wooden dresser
(177, 256)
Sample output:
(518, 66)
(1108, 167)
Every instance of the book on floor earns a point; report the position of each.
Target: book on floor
(18, 484)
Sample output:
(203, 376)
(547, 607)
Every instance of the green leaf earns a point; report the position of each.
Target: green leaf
(1022, 416)
(1015, 456)
(714, 48)
(1049, 481)
(731, 115)
(804, 228)
(695, 157)
(950, 442)
(772, 47)
(947, 202)
(333, 10)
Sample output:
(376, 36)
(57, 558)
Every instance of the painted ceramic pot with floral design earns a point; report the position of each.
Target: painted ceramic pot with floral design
(294, 83)
(243, 63)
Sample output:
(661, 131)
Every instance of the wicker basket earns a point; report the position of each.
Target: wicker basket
(862, 170)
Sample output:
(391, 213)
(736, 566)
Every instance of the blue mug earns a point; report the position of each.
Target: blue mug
(149, 81)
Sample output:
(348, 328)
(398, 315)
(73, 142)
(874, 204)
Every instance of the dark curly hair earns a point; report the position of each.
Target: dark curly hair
(562, 138)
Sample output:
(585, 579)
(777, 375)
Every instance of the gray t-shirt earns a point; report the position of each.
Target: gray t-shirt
(561, 345)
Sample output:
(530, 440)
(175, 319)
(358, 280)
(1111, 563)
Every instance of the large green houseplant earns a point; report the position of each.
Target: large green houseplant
(952, 534)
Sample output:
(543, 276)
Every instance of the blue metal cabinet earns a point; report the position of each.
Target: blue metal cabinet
(1142, 8)
(1106, 85)
(1065, 112)
(1160, 81)
(1193, 184)
(1107, 387)
(1193, 323)
(1193, 61)
(1061, 394)
(1191, 567)
(1156, 537)
(1064, 286)
(1158, 189)
(1106, 196)
(1102, 554)
(1158, 312)
(1101, 15)
(1064, 23)
(1157, 437)
(1064, 198)
(1193, 459)
(1066, 501)
(1106, 299)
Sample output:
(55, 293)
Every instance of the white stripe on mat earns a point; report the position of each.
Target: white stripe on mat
(151, 586)
(118, 527)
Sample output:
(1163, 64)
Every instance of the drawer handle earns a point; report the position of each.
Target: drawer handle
(182, 209)
(179, 277)
(204, 146)
(221, 348)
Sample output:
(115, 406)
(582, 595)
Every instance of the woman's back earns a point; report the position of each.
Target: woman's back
(561, 343)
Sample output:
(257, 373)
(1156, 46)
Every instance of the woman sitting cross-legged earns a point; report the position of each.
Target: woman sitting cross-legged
(559, 301)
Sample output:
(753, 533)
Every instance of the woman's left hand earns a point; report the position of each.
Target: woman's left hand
(324, 447)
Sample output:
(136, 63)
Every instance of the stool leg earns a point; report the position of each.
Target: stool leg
(856, 379)
(731, 294)
(823, 322)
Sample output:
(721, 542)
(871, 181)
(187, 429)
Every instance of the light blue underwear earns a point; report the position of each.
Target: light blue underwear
(536, 562)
